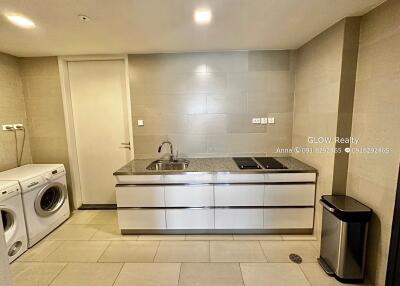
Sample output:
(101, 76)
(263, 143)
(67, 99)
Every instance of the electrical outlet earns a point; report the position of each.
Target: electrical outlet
(8, 127)
(271, 120)
(256, 120)
(264, 120)
(140, 122)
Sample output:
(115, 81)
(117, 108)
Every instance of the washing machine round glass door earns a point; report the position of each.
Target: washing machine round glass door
(9, 219)
(50, 199)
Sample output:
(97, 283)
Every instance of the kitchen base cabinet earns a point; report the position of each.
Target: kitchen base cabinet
(141, 219)
(240, 218)
(289, 218)
(190, 218)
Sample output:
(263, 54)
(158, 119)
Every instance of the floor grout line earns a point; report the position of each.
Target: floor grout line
(58, 274)
(119, 272)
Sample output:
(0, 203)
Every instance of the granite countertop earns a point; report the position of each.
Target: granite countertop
(213, 165)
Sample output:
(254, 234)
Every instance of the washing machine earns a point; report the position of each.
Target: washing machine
(44, 197)
(12, 215)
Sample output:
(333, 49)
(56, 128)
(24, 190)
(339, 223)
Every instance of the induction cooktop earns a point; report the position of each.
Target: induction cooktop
(270, 163)
(246, 163)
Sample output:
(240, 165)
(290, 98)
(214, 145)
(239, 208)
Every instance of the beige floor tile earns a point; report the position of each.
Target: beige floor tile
(81, 217)
(257, 237)
(88, 274)
(105, 217)
(273, 274)
(236, 251)
(146, 274)
(40, 251)
(299, 237)
(111, 232)
(35, 274)
(161, 237)
(183, 251)
(279, 251)
(209, 237)
(316, 244)
(317, 277)
(78, 251)
(74, 232)
(210, 274)
(130, 251)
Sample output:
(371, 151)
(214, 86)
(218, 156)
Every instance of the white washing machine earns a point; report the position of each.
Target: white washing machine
(44, 197)
(12, 214)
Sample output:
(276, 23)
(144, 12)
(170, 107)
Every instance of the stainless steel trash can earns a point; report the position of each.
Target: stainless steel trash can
(344, 238)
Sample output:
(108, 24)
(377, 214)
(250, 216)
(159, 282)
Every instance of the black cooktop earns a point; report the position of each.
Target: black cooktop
(246, 163)
(270, 163)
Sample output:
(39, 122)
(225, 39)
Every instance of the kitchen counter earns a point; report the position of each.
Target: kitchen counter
(213, 165)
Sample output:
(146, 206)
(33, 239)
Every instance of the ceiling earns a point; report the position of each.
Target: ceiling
(147, 26)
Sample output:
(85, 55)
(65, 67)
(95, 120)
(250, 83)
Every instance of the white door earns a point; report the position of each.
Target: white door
(100, 113)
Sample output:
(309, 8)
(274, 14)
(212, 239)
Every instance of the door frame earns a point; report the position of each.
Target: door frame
(68, 115)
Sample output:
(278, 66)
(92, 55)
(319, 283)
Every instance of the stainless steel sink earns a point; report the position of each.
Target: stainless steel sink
(165, 165)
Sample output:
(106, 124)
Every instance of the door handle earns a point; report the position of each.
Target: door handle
(124, 143)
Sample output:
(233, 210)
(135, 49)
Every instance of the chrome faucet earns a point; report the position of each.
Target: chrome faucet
(171, 156)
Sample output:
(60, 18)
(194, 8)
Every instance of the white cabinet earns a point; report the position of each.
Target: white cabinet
(139, 179)
(288, 218)
(239, 195)
(289, 195)
(189, 196)
(140, 196)
(239, 218)
(189, 178)
(190, 218)
(290, 177)
(141, 218)
(239, 178)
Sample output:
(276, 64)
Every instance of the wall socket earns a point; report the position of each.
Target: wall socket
(256, 120)
(264, 120)
(9, 127)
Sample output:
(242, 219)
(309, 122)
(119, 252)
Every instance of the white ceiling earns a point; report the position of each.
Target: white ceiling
(145, 26)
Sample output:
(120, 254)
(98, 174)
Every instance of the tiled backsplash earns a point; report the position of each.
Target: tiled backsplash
(204, 102)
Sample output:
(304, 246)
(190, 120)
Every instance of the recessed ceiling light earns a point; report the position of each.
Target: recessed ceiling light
(21, 21)
(84, 18)
(202, 16)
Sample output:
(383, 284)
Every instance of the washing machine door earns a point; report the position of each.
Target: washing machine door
(50, 199)
(9, 219)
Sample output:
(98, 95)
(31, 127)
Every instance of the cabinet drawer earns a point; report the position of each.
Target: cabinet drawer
(190, 178)
(190, 218)
(141, 219)
(288, 218)
(239, 178)
(290, 177)
(289, 195)
(189, 196)
(238, 218)
(140, 196)
(239, 195)
(139, 179)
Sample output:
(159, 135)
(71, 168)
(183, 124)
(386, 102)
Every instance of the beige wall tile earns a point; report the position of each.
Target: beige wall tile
(191, 98)
(376, 123)
(12, 110)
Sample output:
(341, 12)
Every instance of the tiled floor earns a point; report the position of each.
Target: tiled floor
(89, 250)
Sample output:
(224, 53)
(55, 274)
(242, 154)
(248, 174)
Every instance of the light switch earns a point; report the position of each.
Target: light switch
(140, 122)
(264, 120)
(271, 120)
(256, 120)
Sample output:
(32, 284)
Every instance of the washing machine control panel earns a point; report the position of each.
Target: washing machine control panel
(9, 192)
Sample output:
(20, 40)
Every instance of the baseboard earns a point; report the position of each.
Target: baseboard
(98, 207)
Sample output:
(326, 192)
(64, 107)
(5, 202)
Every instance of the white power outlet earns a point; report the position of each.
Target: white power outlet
(18, 126)
(271, 120)
(256, 120)
(140, 122)
(264, 120)
(8, 127)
